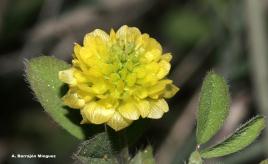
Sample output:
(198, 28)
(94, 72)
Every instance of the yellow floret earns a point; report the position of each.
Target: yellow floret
(119, 77)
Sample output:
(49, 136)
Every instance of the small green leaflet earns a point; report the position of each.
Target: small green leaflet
(42, 75)
(241, 138)
(213, 107)
(98, 150)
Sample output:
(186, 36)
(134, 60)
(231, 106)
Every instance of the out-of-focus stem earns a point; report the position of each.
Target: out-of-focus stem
(258, 55)
(175, 138)
(119, 144)
(123, 155)
(2, 12)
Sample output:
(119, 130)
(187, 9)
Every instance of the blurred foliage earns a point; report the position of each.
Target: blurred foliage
(186, 27)
(19, 16)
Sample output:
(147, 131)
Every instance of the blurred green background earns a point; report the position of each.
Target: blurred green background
(224, 35)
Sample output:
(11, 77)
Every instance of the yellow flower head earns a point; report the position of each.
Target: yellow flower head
(116, 78)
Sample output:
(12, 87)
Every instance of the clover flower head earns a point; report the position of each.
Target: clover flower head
(119, 77)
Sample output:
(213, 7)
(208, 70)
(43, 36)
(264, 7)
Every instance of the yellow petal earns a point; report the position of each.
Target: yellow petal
(67, 76)
(141, 92)
(157, 90)
(160, 86)
(79, 60)
(149, 80)
(85, 54)
(167, 57)
(148, 43)
(118, 122)
(82, 94)
(78, 63)
(72, 100)
(128, 34)
(153, 44)
(94, 73)
(158, 108)
(153, 55)
(140, 73)
(77, 48)
(170, 90)
(164, 69)
(129, 110)
(109, 102)
(95, 34)
(144, 107)
(131, 79)
(112, 35)
(85, 88)
(97, 114)
(100, 87)
(80, 77)
(84, 118)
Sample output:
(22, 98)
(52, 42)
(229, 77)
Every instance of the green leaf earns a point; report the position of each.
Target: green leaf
(42, 75)
(98, 150)
(242, 137)
(213, 107)
(145, 156)
(195, 158)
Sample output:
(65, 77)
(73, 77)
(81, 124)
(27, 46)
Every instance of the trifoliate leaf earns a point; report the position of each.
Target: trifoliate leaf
(195, 158)
(242, 137)
(213, 107)
(145, 156)
(42, 75)
(98, 150)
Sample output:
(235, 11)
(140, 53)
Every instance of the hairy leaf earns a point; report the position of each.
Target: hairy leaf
(242, 137)
(42, 75)
(213, 107)
(98, 150)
